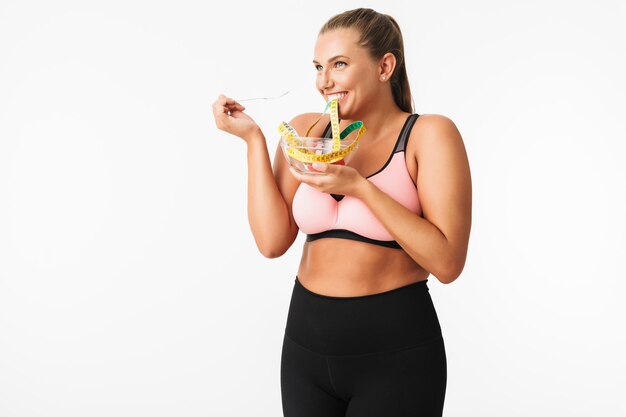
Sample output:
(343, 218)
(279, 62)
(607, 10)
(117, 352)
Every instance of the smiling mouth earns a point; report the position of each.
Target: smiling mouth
(340, 97)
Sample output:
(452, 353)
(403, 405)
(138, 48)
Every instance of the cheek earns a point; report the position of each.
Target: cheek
(347, 79)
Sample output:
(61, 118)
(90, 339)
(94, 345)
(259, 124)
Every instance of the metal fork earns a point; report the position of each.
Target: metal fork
(263, 98)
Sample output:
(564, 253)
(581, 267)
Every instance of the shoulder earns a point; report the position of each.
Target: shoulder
(306, 116)
(303, 121)
(434, 132)
(434, 124)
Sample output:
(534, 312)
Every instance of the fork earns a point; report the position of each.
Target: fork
(263, 98)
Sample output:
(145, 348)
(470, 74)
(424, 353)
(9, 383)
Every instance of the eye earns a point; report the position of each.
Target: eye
(338, 64)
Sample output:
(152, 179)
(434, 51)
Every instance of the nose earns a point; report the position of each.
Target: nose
(324, 80)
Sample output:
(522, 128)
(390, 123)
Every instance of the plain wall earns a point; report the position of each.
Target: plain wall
(130, 283)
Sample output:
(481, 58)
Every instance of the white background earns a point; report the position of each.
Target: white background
(130, 283)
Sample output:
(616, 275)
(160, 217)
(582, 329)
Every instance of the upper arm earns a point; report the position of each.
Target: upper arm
(444, 183)
(287, 183)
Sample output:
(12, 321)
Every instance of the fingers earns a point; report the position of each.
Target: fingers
(235, 107)
(310, 179)
(228, 102)
(222, 100)
(223, 108)
(320, 166)
(296, 174)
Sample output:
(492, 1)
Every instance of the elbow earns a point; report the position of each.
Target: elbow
(277, 247)
(452, 266)
(450, 272)
(446, 278)
(271, 254)
(268, 248)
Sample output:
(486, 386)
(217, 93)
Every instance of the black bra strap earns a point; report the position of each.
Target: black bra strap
(406, 132)
(327, 132)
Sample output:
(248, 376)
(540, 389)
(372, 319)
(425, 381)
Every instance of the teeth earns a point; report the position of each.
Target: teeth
(336, 96)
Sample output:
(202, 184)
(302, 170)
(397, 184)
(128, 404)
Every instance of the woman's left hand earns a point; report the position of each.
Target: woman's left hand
(337, 179)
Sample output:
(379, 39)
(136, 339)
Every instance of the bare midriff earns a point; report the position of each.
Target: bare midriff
(350, 268)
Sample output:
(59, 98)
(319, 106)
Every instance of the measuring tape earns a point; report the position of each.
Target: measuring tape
(296, 144)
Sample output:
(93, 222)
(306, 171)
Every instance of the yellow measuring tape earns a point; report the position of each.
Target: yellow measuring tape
(297, 149)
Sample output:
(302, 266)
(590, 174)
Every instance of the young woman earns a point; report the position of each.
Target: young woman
(362, 336)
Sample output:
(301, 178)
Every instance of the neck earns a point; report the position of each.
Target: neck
(378, 118)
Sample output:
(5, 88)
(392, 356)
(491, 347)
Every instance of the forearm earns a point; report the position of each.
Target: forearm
(421, 239)
(267, 209)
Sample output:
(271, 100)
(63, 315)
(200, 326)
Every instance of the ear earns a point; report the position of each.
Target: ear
(386, 66)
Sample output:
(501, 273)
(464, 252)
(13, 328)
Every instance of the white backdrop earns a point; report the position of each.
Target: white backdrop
(130, 283)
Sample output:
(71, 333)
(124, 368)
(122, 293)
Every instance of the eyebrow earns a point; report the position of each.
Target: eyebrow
(333, 58)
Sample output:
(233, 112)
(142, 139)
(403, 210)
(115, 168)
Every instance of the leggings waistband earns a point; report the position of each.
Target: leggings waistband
(340, 326)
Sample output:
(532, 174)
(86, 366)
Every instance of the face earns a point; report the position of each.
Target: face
(345, 70)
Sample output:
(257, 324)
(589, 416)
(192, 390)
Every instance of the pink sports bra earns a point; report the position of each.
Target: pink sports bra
(321, 215)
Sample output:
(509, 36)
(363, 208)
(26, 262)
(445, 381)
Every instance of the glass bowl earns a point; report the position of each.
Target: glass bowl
(317, 146)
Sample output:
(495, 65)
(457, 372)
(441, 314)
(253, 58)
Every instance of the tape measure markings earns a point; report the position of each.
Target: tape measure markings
(298, 151)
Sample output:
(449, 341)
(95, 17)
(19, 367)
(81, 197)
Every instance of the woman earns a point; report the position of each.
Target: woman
(362, 335)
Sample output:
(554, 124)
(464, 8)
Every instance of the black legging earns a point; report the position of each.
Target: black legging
(375, 355)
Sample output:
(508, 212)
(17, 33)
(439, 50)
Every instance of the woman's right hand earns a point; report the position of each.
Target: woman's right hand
(229, 117)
